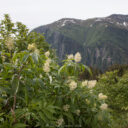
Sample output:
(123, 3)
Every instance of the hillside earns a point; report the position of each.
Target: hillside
(101, 41)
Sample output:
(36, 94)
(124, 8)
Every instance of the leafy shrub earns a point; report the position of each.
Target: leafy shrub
(116, 88)
(36, 92)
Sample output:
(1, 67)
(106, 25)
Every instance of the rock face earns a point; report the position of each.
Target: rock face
(101, 41)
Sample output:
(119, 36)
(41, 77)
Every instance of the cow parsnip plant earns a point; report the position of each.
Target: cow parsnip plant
(36, 92)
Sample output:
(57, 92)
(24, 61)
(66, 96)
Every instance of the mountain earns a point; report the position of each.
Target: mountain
(101, 41)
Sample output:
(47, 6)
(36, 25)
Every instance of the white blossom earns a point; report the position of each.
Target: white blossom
(32, 47)
(77, 112)
(70, 56)
(85, 83)
(66, 107)
(46, 67)
(104, 106)
(40, 76)
(77, 57)
(91, 83)
(101, 96)
(47, 54)
(9, 43)
(59, 122)
(73, 85)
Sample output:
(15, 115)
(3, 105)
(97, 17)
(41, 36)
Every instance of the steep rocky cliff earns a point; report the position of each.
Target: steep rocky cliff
(101, 41)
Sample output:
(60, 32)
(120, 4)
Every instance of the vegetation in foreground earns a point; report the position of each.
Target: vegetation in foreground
(35, 92)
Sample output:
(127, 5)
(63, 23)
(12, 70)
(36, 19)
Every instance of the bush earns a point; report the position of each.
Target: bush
(116, 88)
(36, 92)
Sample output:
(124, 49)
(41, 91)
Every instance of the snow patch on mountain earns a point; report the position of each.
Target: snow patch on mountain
(67, 21)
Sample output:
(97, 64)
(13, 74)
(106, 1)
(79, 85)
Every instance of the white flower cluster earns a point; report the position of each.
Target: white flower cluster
(9, 43)
(84, 83)
(90, 84)
(66, 107)
(47, 54)
(73, 85)
(77, 112)
(59, 122)
(46, 66)
(77, 57)
(101, 96)
(70, 56)
(32, 47)
(104, 106)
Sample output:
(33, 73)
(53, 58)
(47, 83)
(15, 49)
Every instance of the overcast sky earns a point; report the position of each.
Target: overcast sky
(34, 13)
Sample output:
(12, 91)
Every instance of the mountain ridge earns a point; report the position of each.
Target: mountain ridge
(101, 41)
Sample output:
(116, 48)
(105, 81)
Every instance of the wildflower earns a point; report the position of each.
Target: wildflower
(70, 56)
(9, 43)
(40, 76)
(46, 67)
(72, 85)
(102, 97)
(84, 83)
(59, 122)
(47, 54)
(104, 106)
(66, 107)
(77, 57)
(91, 83)
(77, 112)
(32, 47)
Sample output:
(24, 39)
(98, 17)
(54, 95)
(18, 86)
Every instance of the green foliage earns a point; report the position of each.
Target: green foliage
(116, 88)
(36, 92)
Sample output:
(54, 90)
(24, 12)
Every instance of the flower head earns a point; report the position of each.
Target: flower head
(47, 54)
(77, 57)
(91, 83)
(40, 76)
(70, 56)
(73, 85)
(59, 122)
(66, 107)
(9, 43)
(104, 106)
(77, 112)
(101, 96)
(85, 83)
(32, 47)
(46, 67)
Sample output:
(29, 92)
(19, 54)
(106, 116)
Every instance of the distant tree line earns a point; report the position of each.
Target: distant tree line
(121, 68)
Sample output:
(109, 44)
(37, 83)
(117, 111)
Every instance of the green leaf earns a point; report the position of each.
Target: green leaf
(19, 125)
(35, 57)
(25, 58)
